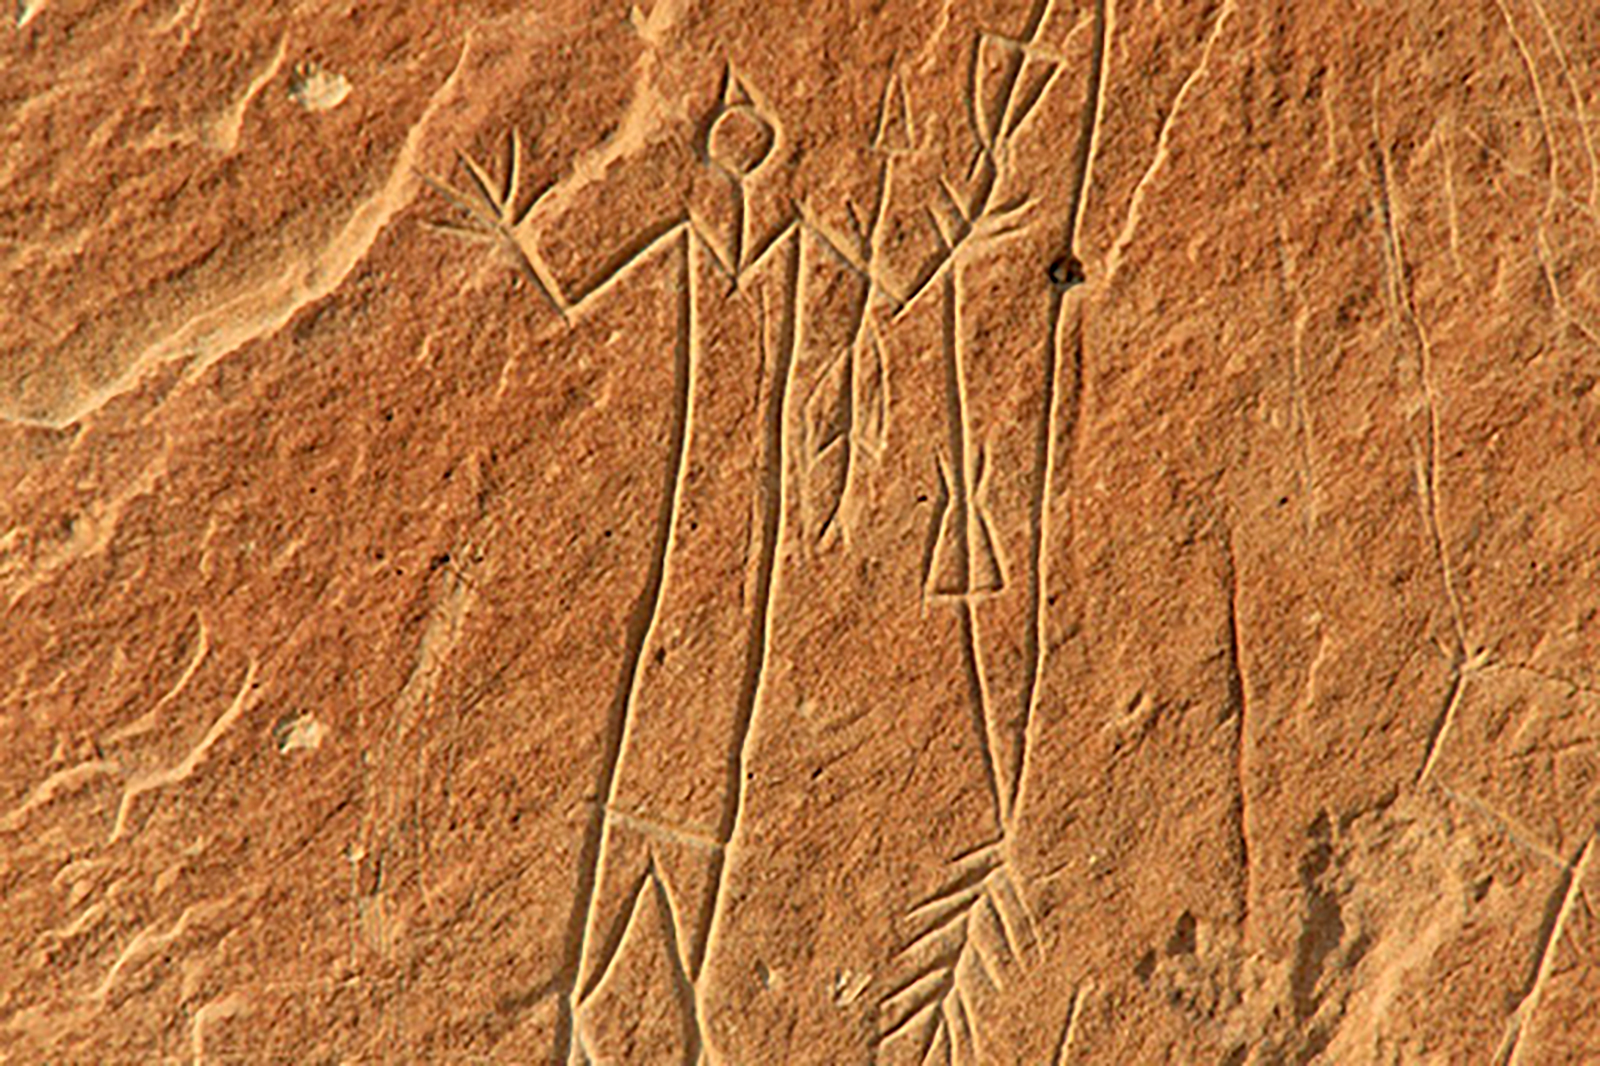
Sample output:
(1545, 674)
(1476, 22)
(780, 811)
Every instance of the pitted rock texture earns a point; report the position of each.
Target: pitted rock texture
(1022, 531)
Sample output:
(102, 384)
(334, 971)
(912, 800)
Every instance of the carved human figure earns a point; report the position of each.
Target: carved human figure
(781, 401)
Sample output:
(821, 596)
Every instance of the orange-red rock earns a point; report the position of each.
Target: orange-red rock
(1016, 532)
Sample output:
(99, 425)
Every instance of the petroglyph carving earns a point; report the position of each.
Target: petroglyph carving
(739, 139)
(896, 133)
(845, 419)
(712, 535)
(492, 213)
(976, 932)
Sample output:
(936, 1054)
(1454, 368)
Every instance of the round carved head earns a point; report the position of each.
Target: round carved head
(739, 138)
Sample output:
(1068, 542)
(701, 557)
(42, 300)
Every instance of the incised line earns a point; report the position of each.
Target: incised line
(1242, 739)
(775, 531)
(1136, 201)
(1400, 298)
(640, 629)
(1510, 1051)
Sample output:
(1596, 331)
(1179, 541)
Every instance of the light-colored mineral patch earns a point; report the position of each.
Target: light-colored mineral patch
(302, 733)
(317, 89)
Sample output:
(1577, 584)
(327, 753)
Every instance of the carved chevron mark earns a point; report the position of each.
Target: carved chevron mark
(650, 925)
(632, 848)
(672, 928)
(492, 214)
(610, 941)
(896, 135)
(976, 928)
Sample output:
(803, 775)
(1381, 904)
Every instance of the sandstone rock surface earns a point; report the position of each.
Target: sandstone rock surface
(741, 532)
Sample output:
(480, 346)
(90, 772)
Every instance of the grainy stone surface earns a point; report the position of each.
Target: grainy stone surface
(966, 532)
